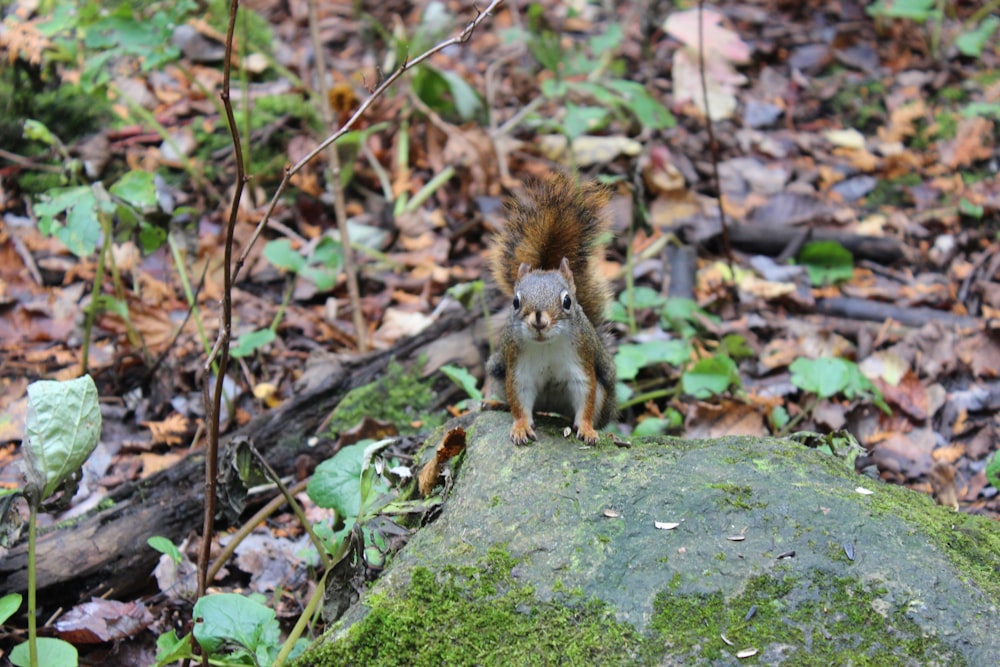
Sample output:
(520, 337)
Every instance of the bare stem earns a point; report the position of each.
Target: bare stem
(339, 207)
(460, 38)
(213, 401)
(726, 248)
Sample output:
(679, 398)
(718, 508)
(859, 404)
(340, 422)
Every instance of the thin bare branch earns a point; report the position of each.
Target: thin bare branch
(460, 38)
(339, 207)
(726, 247)
(213, 399)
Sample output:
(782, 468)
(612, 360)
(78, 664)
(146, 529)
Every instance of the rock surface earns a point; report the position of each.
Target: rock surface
(552, 554)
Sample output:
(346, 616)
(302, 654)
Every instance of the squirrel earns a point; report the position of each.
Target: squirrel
(551, 355)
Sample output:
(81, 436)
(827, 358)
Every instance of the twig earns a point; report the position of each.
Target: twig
(213, 404)
(460, 38)
(29, 163)
(711, 139)
(336, 187)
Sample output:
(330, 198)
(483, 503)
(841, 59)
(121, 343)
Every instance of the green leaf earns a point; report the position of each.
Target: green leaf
(467, 293)
(62, 428)
(916, 10)
(336, 483)
(825, 377)
(735, 347)
(170, 648)
(446, 92)
(580, 120)
(249, 343)
(827, 262)
(685, 316)
(151, 237)
(993, 470)
(633, 357)
(656, 425)
(973, 42)
(165, 546)
(280, 253)
(644, 297)
(648, 110)
(82, 230)
(608, 41)
(58, 200)
(328, 254)
(324, 278)
(709, 376)
(985, 109)
(779, 417)
(52, 652)
(463, 379)
(968, 208)
(9, 604)
(36, 131)
(235, 624)
(828, 376)
(467, 101)
(136, 188)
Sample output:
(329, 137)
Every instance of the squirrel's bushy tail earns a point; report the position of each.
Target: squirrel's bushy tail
(556, 217)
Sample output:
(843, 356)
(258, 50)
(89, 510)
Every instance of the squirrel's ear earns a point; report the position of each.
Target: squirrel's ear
(567, 273)
(523, 270)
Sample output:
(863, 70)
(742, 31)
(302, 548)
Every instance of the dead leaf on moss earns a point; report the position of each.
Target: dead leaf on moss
(451, 445)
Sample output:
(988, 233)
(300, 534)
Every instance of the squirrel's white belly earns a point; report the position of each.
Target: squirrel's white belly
(557, 382)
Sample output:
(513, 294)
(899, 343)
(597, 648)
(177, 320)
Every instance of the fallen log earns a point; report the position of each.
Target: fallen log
(105, 553)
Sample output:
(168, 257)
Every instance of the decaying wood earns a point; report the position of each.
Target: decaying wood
(773, 241)
(877, 311)
(106, 553)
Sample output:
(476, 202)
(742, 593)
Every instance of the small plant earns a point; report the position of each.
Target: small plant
(975, 34)
(467, 382)
(827, 262)
(588, 81)
(62, 428)
(827, 377)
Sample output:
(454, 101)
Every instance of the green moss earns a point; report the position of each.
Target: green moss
(860, 104)
(401, 397)
(953, 94)
(891, 192)
(480, 615)
(960, 536)
(737, 496)
(828, 620)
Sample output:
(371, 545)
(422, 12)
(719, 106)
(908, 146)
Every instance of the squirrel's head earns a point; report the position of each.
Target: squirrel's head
(544, 301)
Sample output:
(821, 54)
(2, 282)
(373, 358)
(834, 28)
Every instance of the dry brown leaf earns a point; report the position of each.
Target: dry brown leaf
(100, 621)
(154, 463)
(942, 479)
(170, 431)
(368, 429)
(451, 445)
(902, 121)
(949, 453)
(706, 420)
(972, 142)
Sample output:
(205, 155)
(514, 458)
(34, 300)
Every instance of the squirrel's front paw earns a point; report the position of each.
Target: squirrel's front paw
(586, 432)
(521, 432)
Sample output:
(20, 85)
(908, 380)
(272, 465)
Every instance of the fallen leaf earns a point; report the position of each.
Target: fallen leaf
(100, 621)
(451, 445)
(170, 431)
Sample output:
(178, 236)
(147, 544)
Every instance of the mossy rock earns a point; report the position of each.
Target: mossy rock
(550, 554)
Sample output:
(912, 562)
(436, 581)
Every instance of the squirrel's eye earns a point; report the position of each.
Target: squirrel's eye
(517, 302)
(567, 302)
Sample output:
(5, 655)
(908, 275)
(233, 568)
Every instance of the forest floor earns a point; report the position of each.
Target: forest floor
(851, 287)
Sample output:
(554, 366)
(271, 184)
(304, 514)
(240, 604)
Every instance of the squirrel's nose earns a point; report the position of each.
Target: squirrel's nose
(541, 322)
